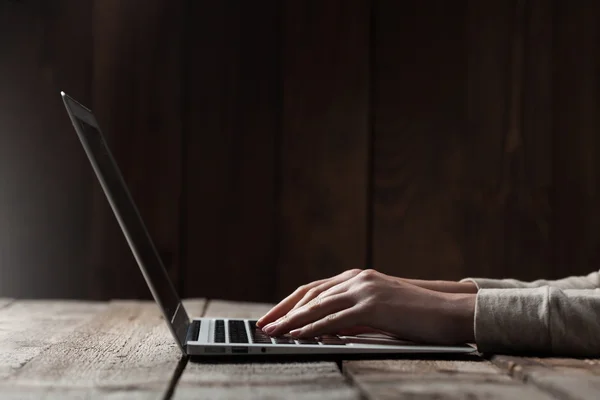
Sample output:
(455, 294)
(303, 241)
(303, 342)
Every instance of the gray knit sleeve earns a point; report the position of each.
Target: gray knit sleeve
(591, 281)
(545, 320)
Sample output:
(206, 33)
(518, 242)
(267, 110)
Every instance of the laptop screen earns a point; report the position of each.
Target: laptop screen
(128, 217)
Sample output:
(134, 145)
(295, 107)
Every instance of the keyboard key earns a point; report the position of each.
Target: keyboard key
(258, 336)
(266, 340)
(284, 340)
(195, 330)
(220, 331)
(308, 341)
(332, 340)
(237, 332)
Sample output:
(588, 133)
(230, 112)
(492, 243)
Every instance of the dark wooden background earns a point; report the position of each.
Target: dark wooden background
(269, 143)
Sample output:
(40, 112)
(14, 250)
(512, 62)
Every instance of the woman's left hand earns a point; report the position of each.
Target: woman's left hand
(383, 303)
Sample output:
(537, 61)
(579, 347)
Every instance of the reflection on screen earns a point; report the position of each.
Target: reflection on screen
(130, 220)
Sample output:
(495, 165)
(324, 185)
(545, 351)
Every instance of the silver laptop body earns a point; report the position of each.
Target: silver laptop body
(207, 336)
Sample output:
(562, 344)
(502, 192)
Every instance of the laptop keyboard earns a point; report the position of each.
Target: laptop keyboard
(258, 336)
(220, 331)
(236, 330)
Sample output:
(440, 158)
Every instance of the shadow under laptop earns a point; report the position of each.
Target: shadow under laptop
(175, 377)
(337, 358)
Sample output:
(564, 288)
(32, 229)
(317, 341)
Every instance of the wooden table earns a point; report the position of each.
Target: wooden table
(123, 350)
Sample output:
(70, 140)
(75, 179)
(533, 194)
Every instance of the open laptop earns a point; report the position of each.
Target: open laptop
(207, 336)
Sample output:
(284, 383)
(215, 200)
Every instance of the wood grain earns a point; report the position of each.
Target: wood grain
(230, 309)
(311, 380)
(127, 348)
(281, 142)
(439, 379)
(487, 184)
(5, 302)
(528, 222)
(231, 124)
(43, 198)
(575, 138)
(28, 328)
(137, 101)
(50, 393)
(420, 120)
(123, 350)
(264, 380)
(563, 378)
(508, 176)
(325, 140)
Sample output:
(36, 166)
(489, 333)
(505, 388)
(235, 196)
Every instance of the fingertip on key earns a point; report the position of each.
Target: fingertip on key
(269, 329)
(295, 333)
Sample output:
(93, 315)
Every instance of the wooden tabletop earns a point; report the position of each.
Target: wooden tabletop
(123, 350)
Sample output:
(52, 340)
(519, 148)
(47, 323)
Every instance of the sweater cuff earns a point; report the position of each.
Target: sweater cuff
(512, 320)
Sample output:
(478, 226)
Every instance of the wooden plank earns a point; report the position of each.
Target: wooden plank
(517, 366)
(526, 163)
(45, 49)
(563, 378)
(439, 379)
(125, 350)
(236, 309)
(528, 146)
(490, 36)
(49, 393)
(537, 91)
(576, 145)
(419, 126)
(325, 143)
(28, 328)
(231, 130)
(423, 366)
(137, 99)
(311, 380)
(5, 302)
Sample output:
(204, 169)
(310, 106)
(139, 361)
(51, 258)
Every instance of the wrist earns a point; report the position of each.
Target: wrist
(459, 309)
(444, 286)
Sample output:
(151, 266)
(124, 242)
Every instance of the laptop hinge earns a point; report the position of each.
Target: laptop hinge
(180, 324)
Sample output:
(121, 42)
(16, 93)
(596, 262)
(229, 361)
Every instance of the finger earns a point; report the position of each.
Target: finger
(339, 289)
(332, 323)
(329, 283)
(285, 305)
(313, 311)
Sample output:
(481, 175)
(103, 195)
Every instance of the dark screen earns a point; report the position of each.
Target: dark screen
(131, 223)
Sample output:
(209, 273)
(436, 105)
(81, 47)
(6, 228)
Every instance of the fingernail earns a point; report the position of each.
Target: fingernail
(259, 322)
(270, 328)
(295, 332)
(268, 325)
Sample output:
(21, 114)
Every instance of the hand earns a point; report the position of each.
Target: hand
(306, 293)
(377, 301)
(303, 295)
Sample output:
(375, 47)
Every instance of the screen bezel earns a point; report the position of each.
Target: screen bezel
(179, 321)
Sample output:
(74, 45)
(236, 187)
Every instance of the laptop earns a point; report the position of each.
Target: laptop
(208, 336)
